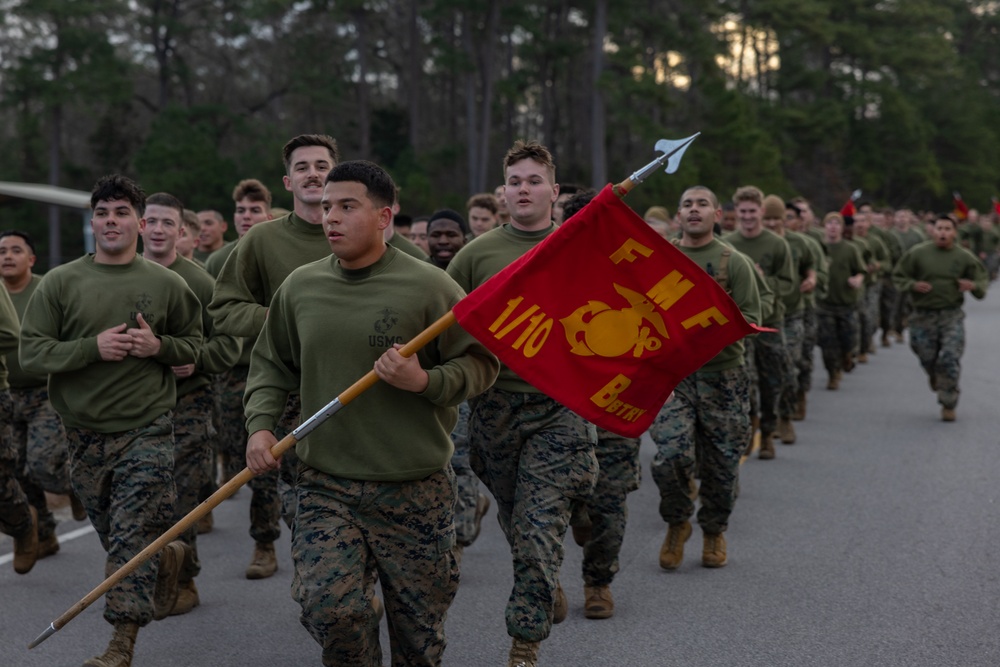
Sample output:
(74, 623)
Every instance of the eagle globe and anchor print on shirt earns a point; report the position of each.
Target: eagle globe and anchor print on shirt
(604, 316)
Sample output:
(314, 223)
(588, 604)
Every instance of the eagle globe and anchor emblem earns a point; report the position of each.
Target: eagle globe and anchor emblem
(598, 329)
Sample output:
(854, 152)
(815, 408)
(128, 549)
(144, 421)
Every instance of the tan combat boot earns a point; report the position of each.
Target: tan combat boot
(834, 382)
(48, 546)
(672, 550)
(786, 431)
(560, 606)
(187, 599)
(766, 446)
(713, 553)
(26, 546)
(119, 651)
(264, 562)
(205, 524)
(76, 506)
(599, 603)
(948, 414)
(800, 407)
(523, 653)
(165, 593)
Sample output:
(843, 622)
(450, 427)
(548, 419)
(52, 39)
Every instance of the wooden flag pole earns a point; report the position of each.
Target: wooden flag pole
(230, 487)
(671, 157)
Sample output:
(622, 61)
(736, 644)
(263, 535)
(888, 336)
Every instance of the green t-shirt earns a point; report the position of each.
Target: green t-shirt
(942, 268)
(484, 257)
(326, 329)
(77, 301)
(17, 376)
(741, 286)
(262, 259)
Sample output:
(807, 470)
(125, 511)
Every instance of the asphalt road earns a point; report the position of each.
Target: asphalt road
(868, 543)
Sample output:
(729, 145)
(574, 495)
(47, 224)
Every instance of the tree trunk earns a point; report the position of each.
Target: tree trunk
(55, 167)
(488, 69)
(415, 82)
(472, 143)
(598, 157)
(364, 96)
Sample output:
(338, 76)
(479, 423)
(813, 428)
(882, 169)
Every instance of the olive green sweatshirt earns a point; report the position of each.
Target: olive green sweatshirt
(9, 329)
(77, 301)
(326, 328)
(214, 267)
(802, 263)
(262, 259)
(771, 253)
(844, 261)
(217, 259)
(400, 242)
(820, 266)
(742, 287)
(18, 377)
(484, 257)
(219, 352)
(942, 268)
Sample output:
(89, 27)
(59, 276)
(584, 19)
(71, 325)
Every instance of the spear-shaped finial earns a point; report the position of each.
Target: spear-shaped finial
(672, 152)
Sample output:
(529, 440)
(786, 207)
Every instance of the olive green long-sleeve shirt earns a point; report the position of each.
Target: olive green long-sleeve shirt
(327, 327)
(77, 301)
(942, 268)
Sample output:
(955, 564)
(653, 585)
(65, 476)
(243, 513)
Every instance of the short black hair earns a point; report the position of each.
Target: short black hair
(381, 188)
(24, 236)
(116, 186)
(573, 205)
(946, 216)
(449, 214)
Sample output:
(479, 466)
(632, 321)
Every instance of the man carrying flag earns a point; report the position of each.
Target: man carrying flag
(534, 455)
(704, 428)
(375, 489)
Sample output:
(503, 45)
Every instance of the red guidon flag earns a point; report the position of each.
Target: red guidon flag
(604, 316)
(961, 210)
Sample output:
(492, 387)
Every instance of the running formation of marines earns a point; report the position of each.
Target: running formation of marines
(134, 382)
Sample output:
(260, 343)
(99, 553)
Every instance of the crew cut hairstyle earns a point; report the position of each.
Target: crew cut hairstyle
(483, 200)
(324, 140)
(252, 189)
(24, 236)
(529, 150)
(168, 200)
(715, 199)
(946, 216)
(749, 193)
(116, 186)
(381, 188)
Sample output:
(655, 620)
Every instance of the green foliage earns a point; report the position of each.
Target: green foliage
(898, 97)
(182, 157)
